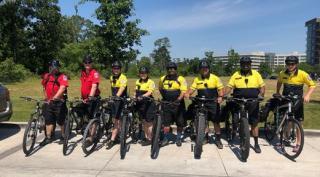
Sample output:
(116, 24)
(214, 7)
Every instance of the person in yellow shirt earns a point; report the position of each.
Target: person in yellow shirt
(293, 80)
(248, 83)
(118, 88)
(145, 108)
(172, 88)
(209, 86)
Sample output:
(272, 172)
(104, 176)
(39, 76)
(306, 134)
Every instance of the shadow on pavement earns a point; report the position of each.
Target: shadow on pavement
(8, 130)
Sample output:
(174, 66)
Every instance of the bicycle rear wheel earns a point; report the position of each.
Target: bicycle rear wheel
(123, 136)
(291, 132)
(244, 134)
(30, 136)
(200, 129)
(91, 136)
(155, 144)
(270, 127)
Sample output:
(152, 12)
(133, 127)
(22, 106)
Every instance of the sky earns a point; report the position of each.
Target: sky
(196, 26)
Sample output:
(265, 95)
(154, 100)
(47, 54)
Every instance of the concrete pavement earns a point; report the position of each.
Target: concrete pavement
(172, 161)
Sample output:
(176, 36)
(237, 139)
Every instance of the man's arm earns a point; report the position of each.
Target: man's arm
(93, 90)
(60, 92)
(262, 91)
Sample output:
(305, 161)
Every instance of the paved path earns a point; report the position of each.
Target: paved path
(172, 161)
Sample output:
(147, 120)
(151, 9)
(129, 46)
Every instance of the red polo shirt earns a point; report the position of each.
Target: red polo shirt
(51, 84)
(93, 77)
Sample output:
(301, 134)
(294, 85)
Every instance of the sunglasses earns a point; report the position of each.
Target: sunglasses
(87, 62)
(290, 64)
(116, 68)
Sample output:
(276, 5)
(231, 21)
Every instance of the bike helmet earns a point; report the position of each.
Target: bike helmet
(292, 59)
(116, 64)
(172, 65)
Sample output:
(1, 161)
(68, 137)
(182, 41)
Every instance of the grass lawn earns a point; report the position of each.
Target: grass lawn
(32, 87)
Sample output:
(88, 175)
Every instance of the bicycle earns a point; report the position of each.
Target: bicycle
(284, 126)
(200, 123)
(35, 126)
(157, 127)
(242, 124)
(127, 122)
(72, 117)
(100, 125)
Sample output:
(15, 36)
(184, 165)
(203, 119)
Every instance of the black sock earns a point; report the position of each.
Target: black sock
(218, 137)
(256, 141)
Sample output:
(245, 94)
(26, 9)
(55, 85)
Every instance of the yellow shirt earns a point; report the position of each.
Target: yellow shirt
(179, 84)
(253, 80)
(246, 86)
(213, 82)
(293, 83)
(117, 82)
(144, 87)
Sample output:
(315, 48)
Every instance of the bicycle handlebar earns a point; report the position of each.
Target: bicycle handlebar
(202, 99)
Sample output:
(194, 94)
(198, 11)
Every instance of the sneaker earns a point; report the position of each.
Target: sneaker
(46, 141)
(146, 142)
(257, 148)
(296, 149)
(164, 142)
(178, 142)
(219, 144)
(110, 144)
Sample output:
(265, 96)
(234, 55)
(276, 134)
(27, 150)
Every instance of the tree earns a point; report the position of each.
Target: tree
(144, 61)
(265, 70)
(161, 54)
(306, 67)
(117, 33)
(233, 62)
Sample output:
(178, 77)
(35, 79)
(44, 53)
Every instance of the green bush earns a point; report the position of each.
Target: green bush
(11, 72)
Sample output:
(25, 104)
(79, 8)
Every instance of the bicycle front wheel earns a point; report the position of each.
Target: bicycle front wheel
(123, 136)
(155, 144)
(200, 128)
(244, 134)
(91, 136)
(68, 125)
(30, 135)
(292, 138)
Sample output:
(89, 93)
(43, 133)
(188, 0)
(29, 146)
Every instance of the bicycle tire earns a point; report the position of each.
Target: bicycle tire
(155, 144)
(286, 150)
(200, 129)
(87, 133)
(123, 136)
(67, 131)
(244, 134)
(270, 128)
(31, 128)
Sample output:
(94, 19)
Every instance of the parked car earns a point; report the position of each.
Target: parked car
(5, 104)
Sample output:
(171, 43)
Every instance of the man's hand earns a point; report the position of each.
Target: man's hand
(219, 100)
(306, 98)
(187, 95)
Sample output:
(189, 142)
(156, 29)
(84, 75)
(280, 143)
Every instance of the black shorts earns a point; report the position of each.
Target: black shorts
(253, 111)
(298, 110)
(171, 114)
(116, 109)
(55, 112)
(213, 112)
(146, 110)
(88, 108)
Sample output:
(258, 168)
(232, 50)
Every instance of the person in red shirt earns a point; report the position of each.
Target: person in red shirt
(90, 92)
(55, 86)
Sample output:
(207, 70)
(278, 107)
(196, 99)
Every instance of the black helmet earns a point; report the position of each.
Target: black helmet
(143, 69)
(245, 59)
(87, 59)
(292, 59)
(54, 63)
(116, 64)
(172, 65)
(204, 64)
